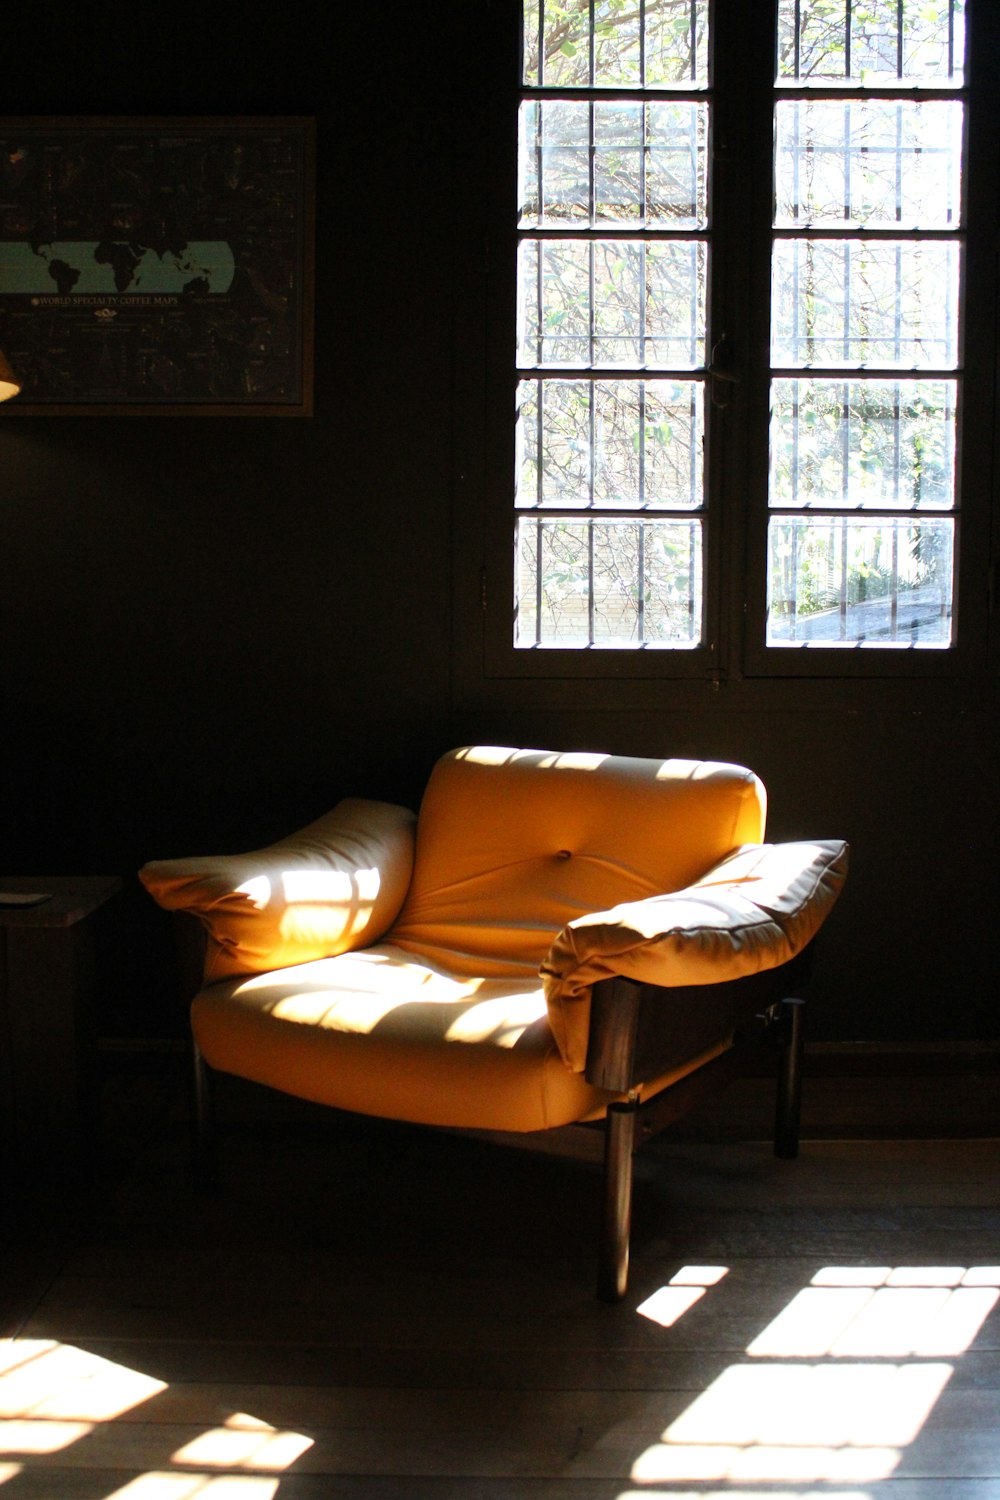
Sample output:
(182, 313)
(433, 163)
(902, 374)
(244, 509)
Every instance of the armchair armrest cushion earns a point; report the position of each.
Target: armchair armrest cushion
(753, 911)
(336, 884)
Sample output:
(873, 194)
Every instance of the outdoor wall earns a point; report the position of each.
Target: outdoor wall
(214, 628)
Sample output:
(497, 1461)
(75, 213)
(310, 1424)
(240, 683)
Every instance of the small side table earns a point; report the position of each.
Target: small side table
(47, 1020)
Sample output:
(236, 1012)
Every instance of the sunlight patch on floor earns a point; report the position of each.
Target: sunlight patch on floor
(167, 1486)
(680, 1294)
(803, 1410)
(244, 1442)
(54, 1395)
(40, 1378)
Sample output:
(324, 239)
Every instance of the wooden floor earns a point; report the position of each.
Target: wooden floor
(369, 1312)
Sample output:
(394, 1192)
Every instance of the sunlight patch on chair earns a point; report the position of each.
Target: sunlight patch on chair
(10, 1471)
(338, 887)
(573, 760)
(355, 991)
(486, 755)
(257, 890)
(504, 1020)
(326, 906)
(344, 1011)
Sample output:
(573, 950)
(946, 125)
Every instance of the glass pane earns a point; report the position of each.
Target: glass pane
(676, 43)
(612, 302)
(610, 443)
(557, 44)
(675, 164)
(554, 159)
(851, 581)
(613, 163)
(874, 162)
(919, 42)
(862, 443)
(608, 583)
(842, 302)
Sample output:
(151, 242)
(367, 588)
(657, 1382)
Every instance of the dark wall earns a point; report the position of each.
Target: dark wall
(213, 628)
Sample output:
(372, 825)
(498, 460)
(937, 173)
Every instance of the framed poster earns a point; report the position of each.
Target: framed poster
(158, 266)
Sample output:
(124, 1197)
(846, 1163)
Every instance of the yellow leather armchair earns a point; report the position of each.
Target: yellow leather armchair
(559, 937)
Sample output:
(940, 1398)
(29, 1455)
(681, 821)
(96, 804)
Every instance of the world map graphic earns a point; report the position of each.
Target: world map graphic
(109, 268)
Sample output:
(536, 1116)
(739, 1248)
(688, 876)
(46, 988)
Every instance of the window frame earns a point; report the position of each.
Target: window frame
(741, 95)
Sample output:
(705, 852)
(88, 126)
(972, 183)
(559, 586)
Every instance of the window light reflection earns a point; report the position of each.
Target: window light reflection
(40, 1378)
(54, 1395)
(162, 1485)
(891, 1321)
(818, 1424)
(244, 1442)
(744, 1494)
(686, 1287)
(41, 1436)
(834, 1420)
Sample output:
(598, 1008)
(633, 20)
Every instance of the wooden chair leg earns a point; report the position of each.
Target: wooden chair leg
(206, 1162)
(619, 1143)
(789, 1104)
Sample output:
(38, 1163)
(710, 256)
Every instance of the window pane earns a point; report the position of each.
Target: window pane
(614, 164)
(610, 443)
(920, 42)
(612, 302)
(850, 581)
(672, 52)
(608, 582)
(863, 443)
(676, 46)
(555, 162)
(874, 162)
(842, 302)
(675, 165)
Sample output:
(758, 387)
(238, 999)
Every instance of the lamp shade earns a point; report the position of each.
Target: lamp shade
(9, 383)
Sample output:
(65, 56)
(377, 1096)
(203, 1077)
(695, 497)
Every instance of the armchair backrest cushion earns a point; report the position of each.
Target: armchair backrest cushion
(513, 844)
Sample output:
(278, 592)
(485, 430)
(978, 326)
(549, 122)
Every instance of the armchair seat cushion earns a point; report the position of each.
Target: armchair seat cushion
(384, 1033)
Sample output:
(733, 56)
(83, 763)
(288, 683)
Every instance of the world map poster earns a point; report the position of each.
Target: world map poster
(157, 265)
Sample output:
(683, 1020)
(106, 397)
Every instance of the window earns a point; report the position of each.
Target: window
(740, 405)
(612, 315)
(865, 323)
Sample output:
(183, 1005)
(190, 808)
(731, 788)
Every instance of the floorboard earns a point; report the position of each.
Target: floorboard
(373, 1312)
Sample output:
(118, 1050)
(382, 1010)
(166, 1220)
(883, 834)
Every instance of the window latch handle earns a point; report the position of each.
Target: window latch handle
(723, 372)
